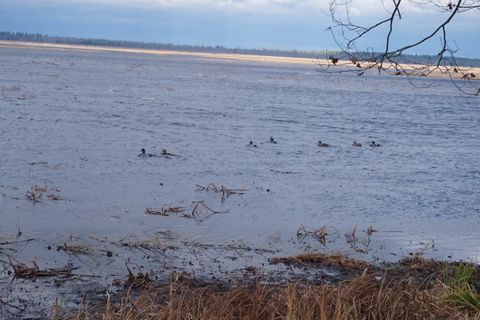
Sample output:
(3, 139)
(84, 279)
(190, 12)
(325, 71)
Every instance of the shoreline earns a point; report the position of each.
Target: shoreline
(413, 288)
(419, 70)
(218, 56)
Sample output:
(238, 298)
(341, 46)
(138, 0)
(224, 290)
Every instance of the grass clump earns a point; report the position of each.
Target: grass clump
(459, 287)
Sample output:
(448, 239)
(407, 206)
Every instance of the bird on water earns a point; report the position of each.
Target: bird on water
(356, 144)
(166, 153)
(322, 144)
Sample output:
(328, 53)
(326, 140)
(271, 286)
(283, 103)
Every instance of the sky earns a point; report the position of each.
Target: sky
(272, 24)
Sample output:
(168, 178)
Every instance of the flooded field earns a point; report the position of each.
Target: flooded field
(74, 191)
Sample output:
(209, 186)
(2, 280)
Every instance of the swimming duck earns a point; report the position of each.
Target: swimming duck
(144, 154)
(272, 140)
(356, 144)
(374, 144)
(166, 153)
(252, 144)
(322, 144)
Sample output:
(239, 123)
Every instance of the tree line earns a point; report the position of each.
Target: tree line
(43, 38)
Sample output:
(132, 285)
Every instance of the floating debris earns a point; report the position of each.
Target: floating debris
(226, 192)
(35, 193)
(74, 249)
(155, 244)
(166, 210)
(23, 271)
(200, 211)
(201, 208)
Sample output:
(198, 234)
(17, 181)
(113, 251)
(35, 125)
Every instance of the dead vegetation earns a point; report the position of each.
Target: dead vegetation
(35, 194)
(239, 248)
(225, 192)
(15, 92)
(319, 234)
(327, 234)
(21, 270)
(75, 249)
(364, 297)
(325, 260)
(166, 210)
(200, 211)
(155, 244)
(135, 281)
(357, 242)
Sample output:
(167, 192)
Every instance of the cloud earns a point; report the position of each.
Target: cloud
(193, 4)
(245, 23)
(357, 8)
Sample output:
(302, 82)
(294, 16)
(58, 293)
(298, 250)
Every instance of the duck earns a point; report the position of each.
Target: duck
(166, 153)
(144, 154)
(322, 144)
(356, 144)
(252, 144)
(272, 140)
(373, 144)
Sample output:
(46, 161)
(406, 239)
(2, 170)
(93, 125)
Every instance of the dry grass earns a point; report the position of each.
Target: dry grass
(36, 192)
(166, 210)
(75, 249)
(225, 192)
(22, 271)
(364, 297)
(200, 211)
(319, 234)
(155, 244)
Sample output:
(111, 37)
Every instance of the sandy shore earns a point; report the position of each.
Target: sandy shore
(221, 56)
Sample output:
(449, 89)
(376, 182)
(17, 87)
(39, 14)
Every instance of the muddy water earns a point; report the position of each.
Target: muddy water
(73, 123)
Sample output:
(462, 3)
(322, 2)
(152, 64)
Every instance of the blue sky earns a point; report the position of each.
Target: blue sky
(278, 24)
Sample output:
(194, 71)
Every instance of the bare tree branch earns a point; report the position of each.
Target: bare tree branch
(391, 60)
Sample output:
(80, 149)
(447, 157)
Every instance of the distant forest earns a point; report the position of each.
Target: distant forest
(21, 36)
